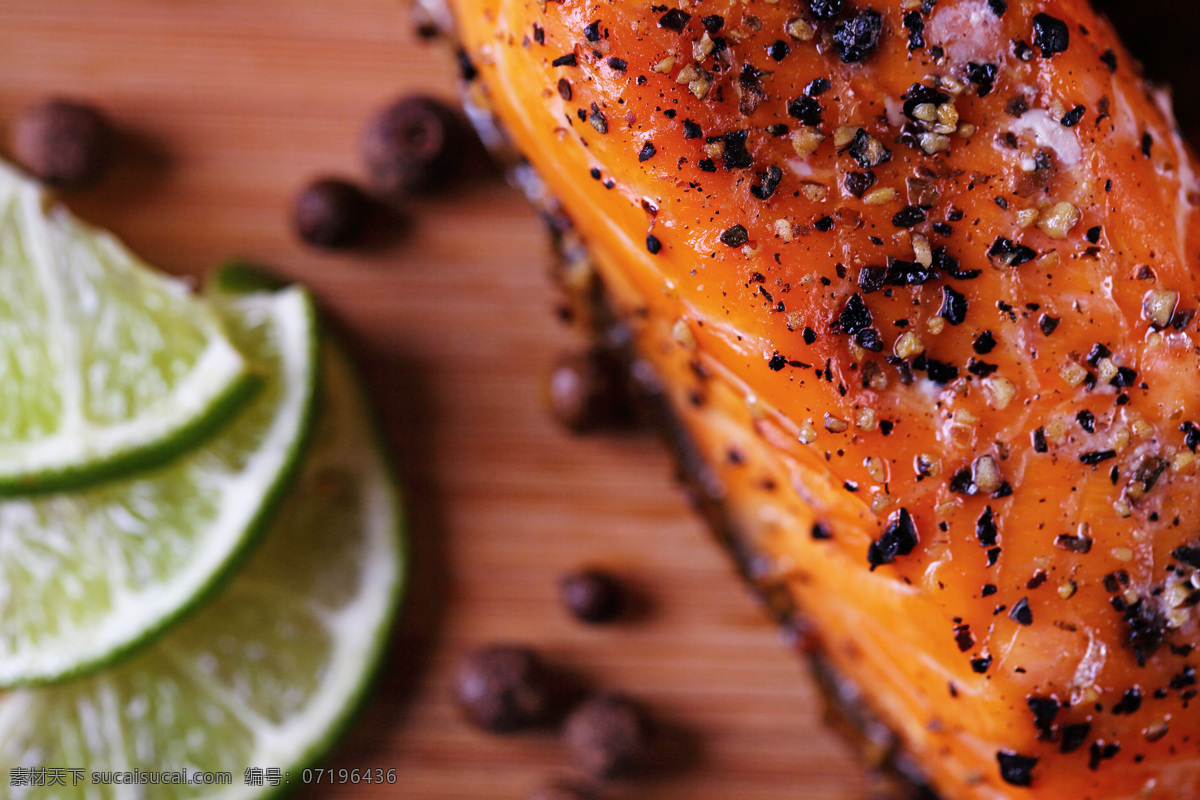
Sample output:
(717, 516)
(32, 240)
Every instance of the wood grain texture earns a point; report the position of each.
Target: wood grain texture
(226, 107)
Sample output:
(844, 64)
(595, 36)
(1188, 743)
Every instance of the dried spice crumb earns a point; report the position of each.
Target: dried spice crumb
(564, 88)
(1016, 769)
(567, 60)
(617, 64)
(647, 152)
(1072, 117)
(713, 23)
(653, 244)
(778, 50)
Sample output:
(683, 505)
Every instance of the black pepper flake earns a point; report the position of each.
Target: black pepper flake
(735, 155)
(768, 182)
(855, 316)
(857, 183)
(1048, 324)
(1016, 769)
(597, 119)
(1101, 751)
(983, 76)
(1050, 34)
(898, 539)
(1187, 555)
(777, 129)
(1044, 709)
(1022, 50)
(824, 224)
(1147, 629)
(595, 173)
(653, 244)
(1086, 420)
(674, 20)
(1191, 435)
(805, 109)
(980, 665)
(707, 165)
(886, 426)
(592, 31)
(821, 532)
(984, 343)
(856, 38)
(981, 369)
(1129, 703)
(647, 152)
(1147, 143)
(777, 362)
(778, 49)
(954, 306)
(618, 64)
(713, 23)
(908, 217)
(567, 60)
(920, 94)
(1021, 613)
(869, 340)
(868, 151)
(735, 236)
(1110, 59)
(1073, 544)
(998, 7)
(985, 528)
(1073, 736)
(825, 9)
(1008, 253)
(1039, 441)
(988, 590)
(817, 87)
(1096, 456)
(963, 638)
(916, 30)
(564, 88)
(871, 278)
(939, 372)
(1072, 117)
(809, 335)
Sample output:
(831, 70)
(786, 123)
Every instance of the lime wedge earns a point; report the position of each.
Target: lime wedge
(262, 678)
(88, 575)
(105, 365)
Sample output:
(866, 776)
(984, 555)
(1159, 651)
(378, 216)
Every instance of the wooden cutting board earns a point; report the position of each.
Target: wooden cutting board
(226, 108)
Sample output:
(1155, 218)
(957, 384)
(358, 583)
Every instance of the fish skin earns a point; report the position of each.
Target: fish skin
(1084, 610)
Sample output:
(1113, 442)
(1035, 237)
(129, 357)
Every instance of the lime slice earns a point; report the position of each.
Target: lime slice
(263, 677)
(86, 576)
(105, 365)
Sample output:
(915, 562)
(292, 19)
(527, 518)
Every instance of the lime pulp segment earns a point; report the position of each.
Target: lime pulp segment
(105, 365)
(268, 673)
(88, 575)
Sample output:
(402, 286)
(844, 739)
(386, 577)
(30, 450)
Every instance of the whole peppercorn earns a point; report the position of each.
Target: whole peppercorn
(587, 391)
(414, 144)
(62, 142)
(503, 688)
(330, 213)
(560, 791)
(591, 595)
(607, 736)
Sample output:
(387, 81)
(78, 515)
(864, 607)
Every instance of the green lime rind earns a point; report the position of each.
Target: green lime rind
(91, 575)
(106, 366)
(269, 672)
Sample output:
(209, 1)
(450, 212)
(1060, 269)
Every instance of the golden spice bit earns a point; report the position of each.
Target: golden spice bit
(880, 196)
(1058, 220)
(1027, 216)
(665, 66)
(783, 229)
(1073, 374)
(805, 140)
(909, 345)
(986, 474)
(864, 418)
(800, 29)
(682, 334)
(807, 432)
(1158, 306)
(835, 424)
(842, 137)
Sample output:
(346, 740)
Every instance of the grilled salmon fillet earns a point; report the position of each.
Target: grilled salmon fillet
(919, 279)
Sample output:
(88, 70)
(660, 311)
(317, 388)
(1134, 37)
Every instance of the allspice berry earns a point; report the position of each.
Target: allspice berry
(591, 595)
(62, 142)
(503, 688)
(607, 736)
(415, 144)
(588, 391)
(330, 213)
